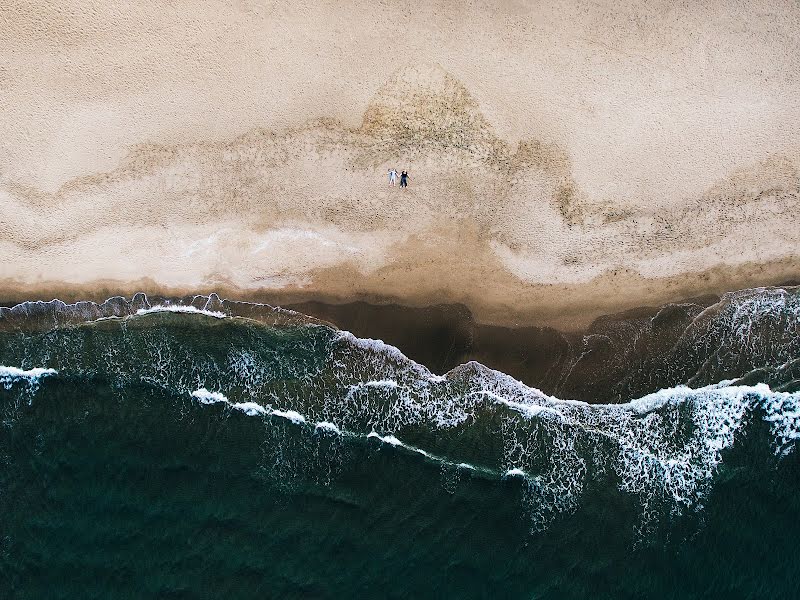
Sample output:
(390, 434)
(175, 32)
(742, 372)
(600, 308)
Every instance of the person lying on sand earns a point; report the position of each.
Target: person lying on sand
(392, 177)
(403, 179)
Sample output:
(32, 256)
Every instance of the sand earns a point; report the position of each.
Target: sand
(565, 163)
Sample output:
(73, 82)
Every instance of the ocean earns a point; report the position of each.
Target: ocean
(199, 448)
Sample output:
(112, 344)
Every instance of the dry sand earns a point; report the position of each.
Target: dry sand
(564, 163)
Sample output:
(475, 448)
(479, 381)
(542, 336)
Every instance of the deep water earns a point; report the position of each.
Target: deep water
(204, 455)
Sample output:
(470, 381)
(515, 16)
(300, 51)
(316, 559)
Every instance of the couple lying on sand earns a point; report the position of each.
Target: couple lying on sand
(393, 178)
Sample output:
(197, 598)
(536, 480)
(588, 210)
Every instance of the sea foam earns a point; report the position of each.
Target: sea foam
(9, 375)
(207, 397)
(180, 308)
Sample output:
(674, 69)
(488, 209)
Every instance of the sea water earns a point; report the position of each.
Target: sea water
(186, 452)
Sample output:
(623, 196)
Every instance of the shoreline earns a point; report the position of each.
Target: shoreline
(490, 302)
(587, 364)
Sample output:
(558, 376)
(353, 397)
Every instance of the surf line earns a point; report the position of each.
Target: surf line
(391, 440)
(253, 409)
(181, 308)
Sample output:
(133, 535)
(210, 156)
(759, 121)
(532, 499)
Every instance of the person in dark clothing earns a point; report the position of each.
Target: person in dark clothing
(403, 179)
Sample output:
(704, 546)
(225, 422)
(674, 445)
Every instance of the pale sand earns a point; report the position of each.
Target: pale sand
(564, 163)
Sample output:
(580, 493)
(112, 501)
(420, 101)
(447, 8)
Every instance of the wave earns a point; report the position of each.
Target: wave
(11, 375)
(181, 309)
(664, 447)
(386, 439)
(515, 472)
(251, 409)
(17, 373)
(42, 316)
(749, 336)
(328, 426)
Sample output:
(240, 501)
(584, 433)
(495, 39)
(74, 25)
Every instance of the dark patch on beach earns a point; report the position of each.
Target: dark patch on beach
(618, 358)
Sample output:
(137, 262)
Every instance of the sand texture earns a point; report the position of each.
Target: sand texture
(564, 163)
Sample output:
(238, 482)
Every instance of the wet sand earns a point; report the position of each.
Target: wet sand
(584, 365)
(491, 297)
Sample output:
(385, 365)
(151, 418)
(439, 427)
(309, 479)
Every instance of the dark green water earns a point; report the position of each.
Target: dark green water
(188, 456)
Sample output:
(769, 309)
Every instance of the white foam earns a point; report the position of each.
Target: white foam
(10, 373)
(393, 441)
(291, 415)
(251, 409)
(207, 397)
(179, 308)
(529, 410)
(386, 439)
(664, 448)
(782, 411)
(389, 351)
(382, 383)
(515, 472)
(328, 426)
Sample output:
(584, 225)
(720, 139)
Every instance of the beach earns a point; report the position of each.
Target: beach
(383, 299)
(511, 209)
